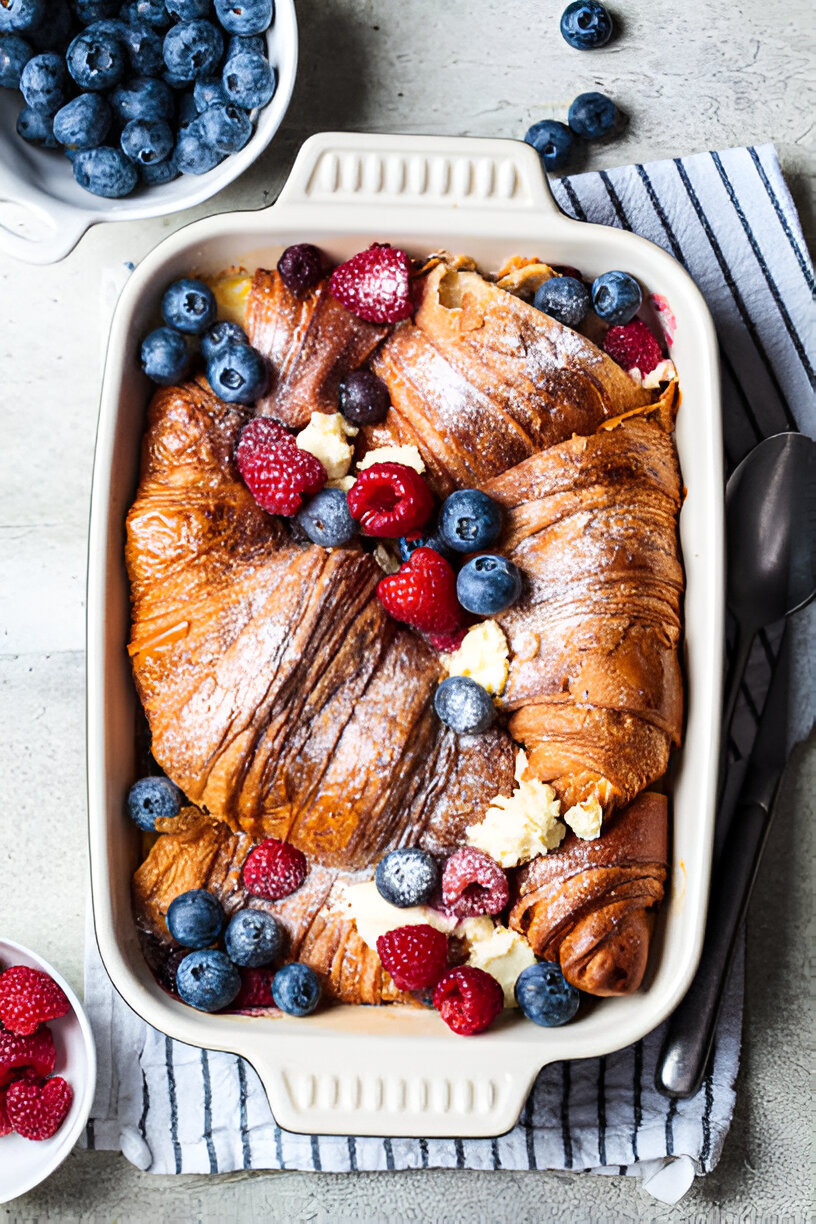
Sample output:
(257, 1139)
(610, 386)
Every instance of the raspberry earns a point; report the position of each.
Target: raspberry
(5, 1126)
(256, 990)
(274, 869)
(448, 643)
(36, 1050)
(37, 1109)
(29, 996)
(422, 593)
(566, 270)
(633, 345)
(415, 956)
(275, 470)
(390, 500)
(469, 1000)
(375, 284)
(473, 883)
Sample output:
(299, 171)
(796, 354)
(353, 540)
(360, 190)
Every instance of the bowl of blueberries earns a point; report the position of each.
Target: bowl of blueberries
(123, 111)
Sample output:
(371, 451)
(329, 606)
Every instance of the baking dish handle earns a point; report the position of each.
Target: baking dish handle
(411, 171)
(36, 234)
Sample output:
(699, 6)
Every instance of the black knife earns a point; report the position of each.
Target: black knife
(687, 1045)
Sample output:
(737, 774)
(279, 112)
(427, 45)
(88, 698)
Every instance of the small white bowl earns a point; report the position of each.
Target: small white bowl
(43, 211)
(24, 1163)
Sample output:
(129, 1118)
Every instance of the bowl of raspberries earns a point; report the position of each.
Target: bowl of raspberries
(123, 111)
(47, 1069)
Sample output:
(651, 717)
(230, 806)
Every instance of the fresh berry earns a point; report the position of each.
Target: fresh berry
(389, 500)
(552, 141)
(545, 996)
(35, 1051)
(274, 869)
(300, 267)
(187, 10)
(448, 643)
(296, 989)
(375, 284)
(470, 521)
(145, 141)
(187, 110)
(253, 938)
(227, 127)
(208, 91)
(44, 83)
(207, 980)
(95, 10)
(193, 49)
(105, 172)
(364, 398)
(473, 883)
(195, 918)
(84, 122)
(160, 172)
(5, 1125)
(167, 968)
(616, 297)
(96, 60)
(36, 128)
(586, 24)
(150, 799)
(245, 17)
(142, 98)
(410, 543)
(488, 584)
(593, 116)
(238, 374)
(28, 997)
(189, 306)
(248, 80)
(151, 12)
(165, 357)
(15, 53)
(222, 333)
(276, 471)
(563, 298)
(633, 346)
(567, 270)
(193, 153)
(464, 706)
(326, 519)
(256, 989)
(37, 1110)
(54, 32)
(144, 49)
(469, 1000)
(21, 15)
(416, 956)
(407, 877)
(422, 593)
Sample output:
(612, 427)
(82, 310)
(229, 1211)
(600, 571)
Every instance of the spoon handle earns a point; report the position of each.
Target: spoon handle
(736, 670)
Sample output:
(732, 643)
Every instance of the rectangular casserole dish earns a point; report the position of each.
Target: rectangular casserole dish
(389, 1070)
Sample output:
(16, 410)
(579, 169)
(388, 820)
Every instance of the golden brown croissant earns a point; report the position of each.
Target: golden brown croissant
(589, 905)
(595, 688)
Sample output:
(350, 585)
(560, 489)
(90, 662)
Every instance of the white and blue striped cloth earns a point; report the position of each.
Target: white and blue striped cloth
(729, 219)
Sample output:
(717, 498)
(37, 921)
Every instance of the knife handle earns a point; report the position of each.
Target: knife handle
(687, 1045)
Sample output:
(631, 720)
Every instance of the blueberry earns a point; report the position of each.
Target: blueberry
(144, 49)
(105, 172)
(470, 521)
(237, 44)
(193, 153)
(553, 141)
(463, 705)
(488, 584)
(253, 938)
(187, 108)
(96, 61)
(152, 798)
(208, 91)
(84, 122)
(36, 128)
(226, 127)
(220, 334)
(143, 98)
(616, 297)
(95, 10)
(44, 83)
(54, 32)
(207, 980)
(147, 12)
(296, 989)
(300, 267)
(563, 298)
(159, 172)
(586, 24)
(195, 918)
(593, 115)
(408, 545)
(407, 877)
(164, 355)
(189, 306)
(364, 398)
(17, 16)
(245, 17)
(187, 10)
(193, 49)
(146, 141)
(238, 374)
(15, 53)
(326, 519)
(248, 80)
(108, 27)
(545, 996)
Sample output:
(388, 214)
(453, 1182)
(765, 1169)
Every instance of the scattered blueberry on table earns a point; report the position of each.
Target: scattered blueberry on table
(552, 141)
(593, 115)
(586, 25)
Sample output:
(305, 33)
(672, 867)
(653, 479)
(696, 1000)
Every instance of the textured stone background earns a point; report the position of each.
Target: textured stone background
(692, 76)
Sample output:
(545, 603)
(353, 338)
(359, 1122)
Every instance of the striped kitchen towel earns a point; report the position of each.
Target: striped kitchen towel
(729, 219)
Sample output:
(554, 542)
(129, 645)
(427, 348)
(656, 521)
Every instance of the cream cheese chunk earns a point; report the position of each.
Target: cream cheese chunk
(407, 455)
(502, 953)
(483, 656)
(585, 819)
(520, 827)
(326, 437)
(375, 916)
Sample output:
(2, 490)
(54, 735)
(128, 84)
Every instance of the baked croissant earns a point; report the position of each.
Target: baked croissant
(589, 905)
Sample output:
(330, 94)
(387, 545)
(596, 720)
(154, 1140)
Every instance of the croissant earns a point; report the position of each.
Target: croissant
(589, 905)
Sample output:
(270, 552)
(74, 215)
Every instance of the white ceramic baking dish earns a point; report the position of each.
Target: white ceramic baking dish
(400, 1071)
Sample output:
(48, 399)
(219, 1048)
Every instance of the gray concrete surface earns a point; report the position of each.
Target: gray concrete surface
(692, 76)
